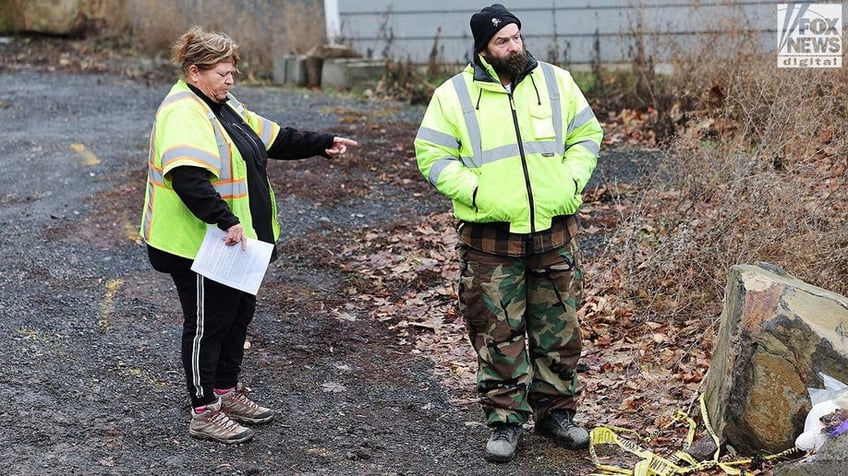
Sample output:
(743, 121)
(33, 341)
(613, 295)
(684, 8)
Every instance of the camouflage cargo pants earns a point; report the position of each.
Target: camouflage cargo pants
(521, 317)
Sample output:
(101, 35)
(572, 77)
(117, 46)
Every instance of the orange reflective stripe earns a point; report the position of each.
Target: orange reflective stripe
(230, 189)
(266, 128)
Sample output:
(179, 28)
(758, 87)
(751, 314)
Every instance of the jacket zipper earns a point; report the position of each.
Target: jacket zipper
(523, 165)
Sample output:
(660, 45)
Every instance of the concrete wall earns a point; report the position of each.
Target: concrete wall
(572, 32)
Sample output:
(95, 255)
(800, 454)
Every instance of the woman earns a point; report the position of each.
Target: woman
(207, 162)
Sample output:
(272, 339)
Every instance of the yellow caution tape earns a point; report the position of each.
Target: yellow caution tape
(679, 463)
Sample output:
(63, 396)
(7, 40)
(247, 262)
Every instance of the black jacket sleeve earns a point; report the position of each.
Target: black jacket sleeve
(196, 191)
(294, 144)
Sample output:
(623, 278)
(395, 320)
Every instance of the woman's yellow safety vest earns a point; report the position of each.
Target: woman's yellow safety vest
(187, 133)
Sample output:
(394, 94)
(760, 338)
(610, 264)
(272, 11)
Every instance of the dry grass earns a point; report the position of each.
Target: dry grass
(262, 28)
(304, 30)
(154, 26)
(754, 170)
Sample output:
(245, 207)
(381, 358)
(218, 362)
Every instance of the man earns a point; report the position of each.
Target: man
(512, 142)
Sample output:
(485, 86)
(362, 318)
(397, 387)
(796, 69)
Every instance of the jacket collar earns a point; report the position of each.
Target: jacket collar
(215, 106)
(483, 71)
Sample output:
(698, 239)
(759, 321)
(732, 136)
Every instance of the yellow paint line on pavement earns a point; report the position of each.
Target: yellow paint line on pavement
(34, 335)
(108, 303)
(131, 231)
(140, 374)
(87, 157)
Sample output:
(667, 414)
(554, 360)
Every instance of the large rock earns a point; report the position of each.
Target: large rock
(830, 460)
(61, 17)
(776, 334)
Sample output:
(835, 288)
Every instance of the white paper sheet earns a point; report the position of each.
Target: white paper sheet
(230, 265)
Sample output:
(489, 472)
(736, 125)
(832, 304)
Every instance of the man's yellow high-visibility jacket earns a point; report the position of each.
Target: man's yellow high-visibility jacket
(520, 157)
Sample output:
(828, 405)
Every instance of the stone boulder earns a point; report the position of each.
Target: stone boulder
(61, 17)
(776, 334)
(831, 459)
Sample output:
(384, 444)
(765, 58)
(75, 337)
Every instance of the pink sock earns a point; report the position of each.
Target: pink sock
(200, 409)
(222, 391)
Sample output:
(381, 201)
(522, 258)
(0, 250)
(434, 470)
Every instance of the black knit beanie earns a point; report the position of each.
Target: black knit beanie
(487, 22)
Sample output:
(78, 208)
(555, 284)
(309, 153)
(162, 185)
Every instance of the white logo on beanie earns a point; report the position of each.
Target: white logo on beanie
(495, 22)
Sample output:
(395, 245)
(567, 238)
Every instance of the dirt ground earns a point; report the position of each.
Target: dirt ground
(90, 381)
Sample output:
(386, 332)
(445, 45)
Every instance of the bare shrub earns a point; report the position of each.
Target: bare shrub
(154, 25)
(260, 27)
(755, 172)
(303, 31)
(404, 80)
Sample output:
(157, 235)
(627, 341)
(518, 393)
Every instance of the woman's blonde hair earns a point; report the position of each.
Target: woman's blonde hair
(206, 50)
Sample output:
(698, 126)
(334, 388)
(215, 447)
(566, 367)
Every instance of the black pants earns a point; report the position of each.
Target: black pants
(214, 329)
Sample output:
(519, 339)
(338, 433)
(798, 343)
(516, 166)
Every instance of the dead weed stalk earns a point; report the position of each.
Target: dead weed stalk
(756, 172)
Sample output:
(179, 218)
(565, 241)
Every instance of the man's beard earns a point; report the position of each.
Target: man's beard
(513, 65)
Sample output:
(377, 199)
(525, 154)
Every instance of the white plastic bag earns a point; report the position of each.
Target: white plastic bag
(832, 389)
(825, 401)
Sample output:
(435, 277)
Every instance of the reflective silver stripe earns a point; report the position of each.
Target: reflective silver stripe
(581, 118)
(511, 150)
(197, 155)
(437, 137)
(471, 124)
(223, 149)
(546, 147)
(437, 167)
(498, 153)
(443, 140)
(156, 176)
(266, 128)
(237, 105)
(176, 97)
(231, 189)
(148, 213)
(198, 336)
(556, 104)
(589, 144)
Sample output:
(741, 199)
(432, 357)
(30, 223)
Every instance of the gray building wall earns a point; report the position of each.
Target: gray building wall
(571, 32)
